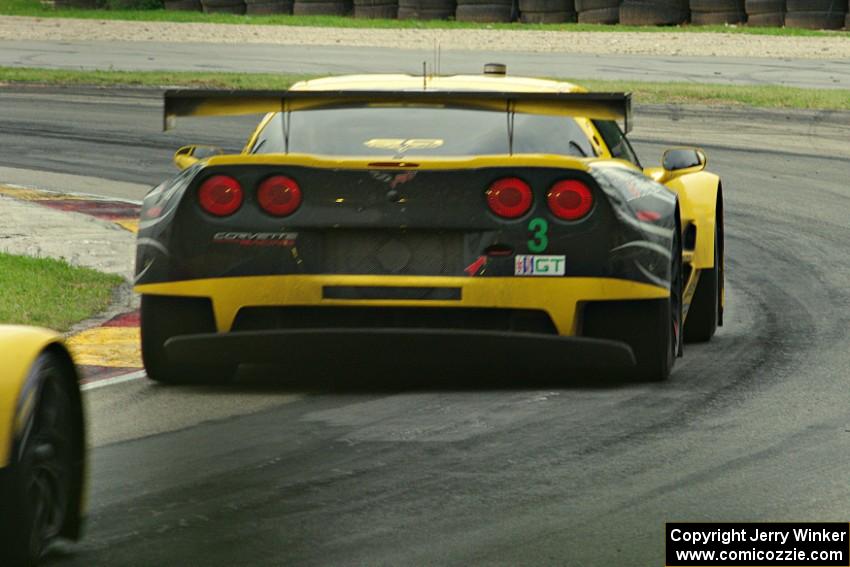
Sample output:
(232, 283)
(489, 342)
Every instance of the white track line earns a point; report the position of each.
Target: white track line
(112, 381)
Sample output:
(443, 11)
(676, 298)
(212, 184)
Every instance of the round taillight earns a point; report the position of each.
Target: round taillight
(220, 195)
(509, 197)
(570, 199)
(279, 195)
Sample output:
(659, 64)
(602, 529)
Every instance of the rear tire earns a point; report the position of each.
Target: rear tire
(775, 20)
(704, 313)
(815, 20)
(653, 12)
(484, 13)
(650, 327)
(717, 18)
(599, 16)
(164, 317)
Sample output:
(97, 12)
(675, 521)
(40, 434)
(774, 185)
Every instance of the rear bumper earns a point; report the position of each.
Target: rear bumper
(400, 348)
(559, 297)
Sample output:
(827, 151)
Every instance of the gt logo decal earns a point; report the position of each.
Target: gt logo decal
(539, 241)
(531, 265)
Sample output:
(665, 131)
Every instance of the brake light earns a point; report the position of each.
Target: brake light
(570, 199)
(509, 197)
(279, 195)
(220, 195)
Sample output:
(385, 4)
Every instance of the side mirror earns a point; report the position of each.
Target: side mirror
(190, 155)
(684, 160)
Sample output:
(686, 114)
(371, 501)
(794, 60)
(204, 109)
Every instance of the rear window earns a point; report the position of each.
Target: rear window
(397, 131)
(616, 141)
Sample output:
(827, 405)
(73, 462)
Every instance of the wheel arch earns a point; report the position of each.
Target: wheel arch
(20, 347)
(721, 255)
(700, 201)
(680, 343)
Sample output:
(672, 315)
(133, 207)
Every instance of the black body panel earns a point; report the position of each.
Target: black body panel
(409, 222)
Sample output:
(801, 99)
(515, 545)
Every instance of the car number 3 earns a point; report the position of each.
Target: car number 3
(539, 240)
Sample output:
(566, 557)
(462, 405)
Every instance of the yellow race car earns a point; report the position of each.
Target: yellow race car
(394, 217)
(42, 444)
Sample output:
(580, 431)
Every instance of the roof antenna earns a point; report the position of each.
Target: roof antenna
(436, 68)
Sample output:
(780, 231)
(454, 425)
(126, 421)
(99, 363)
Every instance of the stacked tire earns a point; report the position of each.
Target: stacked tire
(184, 5)
(223, 6)
(653, 12)
(426, 9)
(264, 7)
(816, 14)
(547, 11)
(370, 9)
(717, 12)
(598, 11)
(765, 13)
(484, 11)
(321, 7)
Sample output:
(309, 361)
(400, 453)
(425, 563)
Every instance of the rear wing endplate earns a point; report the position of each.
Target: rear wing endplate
(596, 106)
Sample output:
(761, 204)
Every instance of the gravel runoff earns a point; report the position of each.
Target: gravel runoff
(599, 43)
(30, 229)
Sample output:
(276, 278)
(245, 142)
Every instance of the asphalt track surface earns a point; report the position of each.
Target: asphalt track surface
(335, 469)
(158, 56)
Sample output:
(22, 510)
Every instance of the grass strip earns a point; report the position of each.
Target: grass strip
(763, 96)
(197, 79)
(37, 9)
(51, 293)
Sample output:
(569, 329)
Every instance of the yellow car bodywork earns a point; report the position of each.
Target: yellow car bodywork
(698, 194)
(19, 349)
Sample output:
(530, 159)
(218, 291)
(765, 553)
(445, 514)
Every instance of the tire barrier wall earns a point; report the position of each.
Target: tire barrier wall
(808, 14)
(717, 12)
(598, 11)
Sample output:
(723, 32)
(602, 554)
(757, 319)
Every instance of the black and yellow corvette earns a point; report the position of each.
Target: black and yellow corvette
(392, 215)
(42, 444)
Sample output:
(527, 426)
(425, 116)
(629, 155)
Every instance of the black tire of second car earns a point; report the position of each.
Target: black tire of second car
(704, 312)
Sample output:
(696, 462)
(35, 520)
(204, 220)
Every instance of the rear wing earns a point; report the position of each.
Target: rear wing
(597, 106)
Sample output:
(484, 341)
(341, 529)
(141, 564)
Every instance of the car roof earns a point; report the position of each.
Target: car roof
(484, 83)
